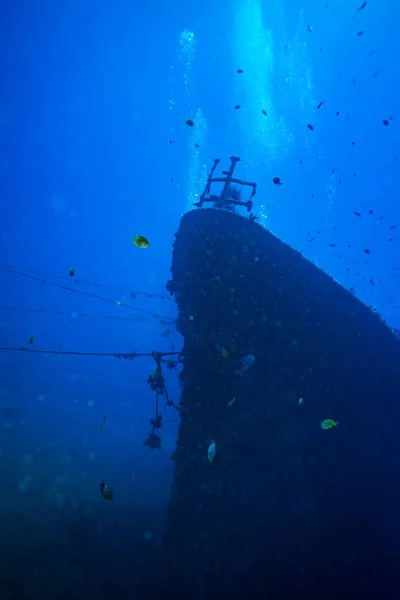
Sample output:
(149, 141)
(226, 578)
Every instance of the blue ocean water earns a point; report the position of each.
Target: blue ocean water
(95, 148)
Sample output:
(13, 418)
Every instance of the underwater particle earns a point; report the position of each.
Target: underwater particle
(23, 486)
(337, 113)
(31, 339)
(148, 535)
(277, 180)
(329, 424)
(27, 458)
(91, 403)
(212, 451)
(300, 402)
(118, 303)
(231, 402)
(189, 122)
(310, 127)
(71, 272)
(196, 146)
(238, 106)
(352, 144)
(356, 213)
(74, 315)
(385, 122)
(191, 318)
(224, 353)
(140, 241)
(101, 426)
(264, 112)
(106, 491)
(256, 258)
(245, 363)
(40, 397)
(92, 455)
(360, 33)
(320, 104)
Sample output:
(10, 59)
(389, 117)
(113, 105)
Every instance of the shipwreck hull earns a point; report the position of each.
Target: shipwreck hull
(283, 502)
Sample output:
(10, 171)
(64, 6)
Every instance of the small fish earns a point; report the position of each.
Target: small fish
(101, 426)
(245, 363)
(360, 33)
(106, 491)
(264, 112)
(363, 5)
(300, 161)
(310, 127)
(231, 402)
(337, 113)
(385, 122)
(172, 141)
(189, 122)
(367, 251)
(71, 272)
(352, 144)
(393, 227)
(356, 213)
(277, 181)
(300, 402)
(329, 423)
(320, 104)
(224, 353)
(240, 71)
(196, 146)
(332, 245)
(225, 172)
(309, 28)
(212, 451)
(237, 106)
(140, 241)
(31, 339)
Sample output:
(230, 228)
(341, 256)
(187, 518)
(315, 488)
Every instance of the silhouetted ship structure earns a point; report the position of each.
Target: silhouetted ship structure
(285, 506)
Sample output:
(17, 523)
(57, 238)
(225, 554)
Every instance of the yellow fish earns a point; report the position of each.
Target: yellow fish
(329, 423)
(140, 241)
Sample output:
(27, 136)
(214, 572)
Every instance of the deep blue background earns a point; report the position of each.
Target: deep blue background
(94, 149)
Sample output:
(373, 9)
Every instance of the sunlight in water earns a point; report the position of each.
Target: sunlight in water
(278, 81)
(197, 172)
(264, 139)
